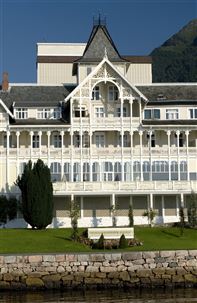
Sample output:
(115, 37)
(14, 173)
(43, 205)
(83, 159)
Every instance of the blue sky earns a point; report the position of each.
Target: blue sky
(136, 26)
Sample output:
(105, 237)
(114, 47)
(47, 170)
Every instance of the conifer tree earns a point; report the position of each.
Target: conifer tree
(37, 194)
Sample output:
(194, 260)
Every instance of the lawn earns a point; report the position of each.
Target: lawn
(58, 240)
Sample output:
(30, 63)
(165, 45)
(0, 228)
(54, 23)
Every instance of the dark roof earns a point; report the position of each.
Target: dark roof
(31, 96)
(138, 59)
(166, 93)
(57, 59)
(32, 121)
(169, 122)
(99, 41)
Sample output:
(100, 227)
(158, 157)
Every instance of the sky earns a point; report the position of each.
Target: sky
(136, 27)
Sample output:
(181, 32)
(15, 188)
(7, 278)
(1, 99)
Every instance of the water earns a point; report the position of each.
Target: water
(105, 296)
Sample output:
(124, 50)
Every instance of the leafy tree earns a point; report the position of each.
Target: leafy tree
(130, 215)
(37, 194)
(192, 210)
(74, 215)
(8, 209)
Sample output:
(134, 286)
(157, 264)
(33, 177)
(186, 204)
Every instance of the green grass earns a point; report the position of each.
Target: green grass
(58, 240)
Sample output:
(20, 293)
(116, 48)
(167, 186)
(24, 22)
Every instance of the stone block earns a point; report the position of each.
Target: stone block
(116, 257)
(192, 253)
(143, 273)
(149, 261)
(122, 268)
(191, 263)
(97, 257)
(101, 275)
(178, 279)
(4, 285)
(167, 254)
(131, 256)
(113, 275)
(71, 258)
(182, 253)
(60, 269)
(138, 262)
(49, 258)
(34, 282)
(190, 278)
(107, 269)
(52, 278)
(166, 277)
(150, 254)
(35, 259)
(159, 271)
(92, 269)
(1, 259)
(60, 258)
(8, 277)
(83, 257)
(173, 264)
(81, 268)
(134, 280)
(181, 271)
(3, 270)
(124, 276)
(171, 271)
(9, 259)
(160, 260)
(93, 281)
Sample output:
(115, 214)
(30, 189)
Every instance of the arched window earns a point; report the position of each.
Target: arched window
(136, 170)
(107, 170)
(127, 172)
(146, 171)
(112, 93)
(174, 170)
(96, 93)
(160, 170)
(183, 170)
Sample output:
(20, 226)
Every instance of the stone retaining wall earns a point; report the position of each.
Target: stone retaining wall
(103, 270)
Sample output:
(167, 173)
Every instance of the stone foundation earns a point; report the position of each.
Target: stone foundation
(102, 270)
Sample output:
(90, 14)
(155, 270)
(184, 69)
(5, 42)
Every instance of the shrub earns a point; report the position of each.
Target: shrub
(101, 242)
(123, 243)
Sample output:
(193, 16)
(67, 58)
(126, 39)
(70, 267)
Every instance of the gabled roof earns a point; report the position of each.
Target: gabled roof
(105, 60)
(6, 109)
(100, 42)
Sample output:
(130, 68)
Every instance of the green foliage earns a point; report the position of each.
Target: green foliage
(123, 243)
(192, 210)
(74, 215)
(176, 59)
(182, 220)
(101, 242)
(130, 215)
(150, 214)
(37, 194)
(8, 209)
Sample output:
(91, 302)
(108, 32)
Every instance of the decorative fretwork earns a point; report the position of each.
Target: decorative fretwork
(126, 92)
(84, 92)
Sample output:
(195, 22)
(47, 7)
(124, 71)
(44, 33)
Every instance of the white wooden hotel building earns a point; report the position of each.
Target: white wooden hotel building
(109, 135)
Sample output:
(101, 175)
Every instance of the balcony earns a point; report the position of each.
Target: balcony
(106, 122)
(138, 187)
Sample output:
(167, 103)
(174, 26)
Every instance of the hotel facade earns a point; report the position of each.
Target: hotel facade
(110, 136)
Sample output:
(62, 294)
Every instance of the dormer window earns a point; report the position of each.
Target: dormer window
(49, 113)
(151, 114)
(21, 113)
(112, 93)
(96, 93)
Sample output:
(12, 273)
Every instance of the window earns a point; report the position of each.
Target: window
(172, 114)
(125, 140)
(112, 93)
(5, 141)
(99, 112)
(107, 171)
(77, 172)
(57, 141)
(36, 141)
(86, 171)
(193, 113)
(21, 167)
(76, 140)
(151, 140)
(160, 170)
(89, 69)
(100, 140)
(95, 171)
(21, 113)
(117, 171)
(55, 169)
(151, 114)
(49, 113)
(96, 93)
(118, 112)
(67, 171)
(81, 110)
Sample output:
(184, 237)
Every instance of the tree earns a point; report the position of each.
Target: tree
(192, 210)
(37, 194)
(150, 214)
(123, 243)
(74, 215)
(130, 215)
(8, 209)
(182, 220)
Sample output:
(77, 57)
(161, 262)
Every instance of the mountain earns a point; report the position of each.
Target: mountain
(176, 59)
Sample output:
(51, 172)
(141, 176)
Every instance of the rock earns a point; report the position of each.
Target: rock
(35, 259)
(49, 258)
(60, 258)
(143, 273)
(8, 277)
(190, 278)
(9, 259)
(124, 276)
(60, 269)
(92, 269)
(52, 278)
(167, 254)
(132, 256)
(34, 282)
(97, 257)
(107, 269)
(178, 279)
(150, 254)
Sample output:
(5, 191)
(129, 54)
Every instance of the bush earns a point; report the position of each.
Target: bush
(123, 243)
(100, 244)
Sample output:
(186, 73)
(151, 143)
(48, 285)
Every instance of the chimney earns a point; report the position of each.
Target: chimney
(5, 83)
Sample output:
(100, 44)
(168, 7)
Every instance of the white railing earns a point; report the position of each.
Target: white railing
(138, 186)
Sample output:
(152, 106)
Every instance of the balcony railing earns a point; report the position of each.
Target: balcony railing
(106, 122)
(128, 187)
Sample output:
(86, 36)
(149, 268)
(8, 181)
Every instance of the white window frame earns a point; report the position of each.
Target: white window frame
(118, 111)
(152, 113)
(48, 113)
(36, 141)
(21, 113)
(192, 113)
(99, 112)
(172, 114)
(96, 93)
(57, 141)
